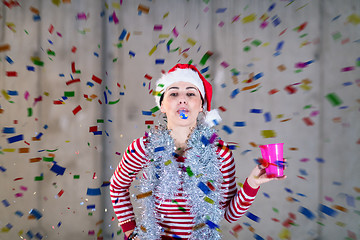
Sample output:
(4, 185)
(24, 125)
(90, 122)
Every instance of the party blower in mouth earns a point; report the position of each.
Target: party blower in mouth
(183, 114)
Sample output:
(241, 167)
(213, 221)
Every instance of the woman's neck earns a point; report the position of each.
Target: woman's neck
(180, 135)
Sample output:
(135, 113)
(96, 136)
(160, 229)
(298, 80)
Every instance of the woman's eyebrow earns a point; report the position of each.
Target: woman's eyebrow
(192, 88)
(173, 88)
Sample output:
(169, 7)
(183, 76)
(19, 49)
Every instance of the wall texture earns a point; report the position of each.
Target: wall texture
(76, 80)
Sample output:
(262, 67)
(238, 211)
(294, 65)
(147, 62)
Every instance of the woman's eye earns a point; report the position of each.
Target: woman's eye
(173, 94)
(191, 94)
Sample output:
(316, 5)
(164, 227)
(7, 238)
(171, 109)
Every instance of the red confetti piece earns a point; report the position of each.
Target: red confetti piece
(275, 220)
(73, 49)
(147, 76)
(290, 89)
(17, 179)
(73, 67)
(96, 79)
(273, 91)
(51, 29)
(11, 74)
(58, 102)
(60, 193)
(72, 81)
(237, 228)
(93, 129)
(308, 121)
(149, 122)
(77, 109)
(221, 108)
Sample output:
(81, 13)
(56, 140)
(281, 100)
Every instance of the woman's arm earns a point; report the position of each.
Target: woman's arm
(131, 163)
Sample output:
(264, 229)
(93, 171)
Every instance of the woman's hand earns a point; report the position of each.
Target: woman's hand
(128, 233)
(258, 177)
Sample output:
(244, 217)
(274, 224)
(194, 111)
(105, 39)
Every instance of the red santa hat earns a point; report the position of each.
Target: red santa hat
(189, 73)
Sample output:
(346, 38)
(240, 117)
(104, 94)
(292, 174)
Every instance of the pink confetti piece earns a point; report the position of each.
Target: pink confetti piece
(304, 160)
(59, 34)
(115, 19)
(175, 32)
(206, 9)
(26, 95)
(19, 195)
(327, 198)
(157, 27)
(81, 16)
(347, 69)
(224, 64)
(221, 24)
(23, 188)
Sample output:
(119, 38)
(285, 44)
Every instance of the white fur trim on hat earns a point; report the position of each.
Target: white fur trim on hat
(213, 118)
(179, 75)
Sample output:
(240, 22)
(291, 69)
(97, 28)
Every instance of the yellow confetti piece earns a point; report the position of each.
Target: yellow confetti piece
(305, 87)
(6, 96)
(152, 50)
(285, 234)
(165, 15)
(354, 19)
(265, 44)
(164, 35)
(240, 184)
(144, 195)
(115, 5)
(340, 224)
(191, 41)
(268, 133)
(264, 17)
(168, 162)
(11, 26)
(209, 200)
(9, 150)
(249, 18)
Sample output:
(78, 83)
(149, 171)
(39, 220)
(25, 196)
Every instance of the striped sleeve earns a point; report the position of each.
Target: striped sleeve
(131, 163)
(236, 203)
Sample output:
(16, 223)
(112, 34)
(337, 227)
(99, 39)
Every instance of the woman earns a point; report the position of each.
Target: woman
(188, 183)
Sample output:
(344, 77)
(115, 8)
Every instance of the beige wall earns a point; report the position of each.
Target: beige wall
(330, 38)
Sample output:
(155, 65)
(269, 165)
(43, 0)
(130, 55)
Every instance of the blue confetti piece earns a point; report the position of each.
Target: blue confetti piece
(9, 60)
(252, 216)
(204, 140)
(247, 224)
(176, 236)
(288, 190)
(147, 113)
(2, 169)
(276, 54)
(50, 42)
(272, 6)
(350, 200)
(122, 35)
(227, 129)
(328, 211)
(259, 75)
(35, 213)
(211, 224)
(131, 53)
(36, 18)
(59, 224)
(20, 214)
(92, 206)
(93, 191)
(204, 188)
(258, 237)
(232, 147)
(245, 152)
(5, 202)
(9, 226)
(8, 130)
(57, 169)
(303, 172)
(320, 160)
(105, 184)
(46, 126)
(279, 46)
(254, 110)
(204, 70)
(337, 183)
(223, 85)
(90, 84)
(64, 98)
(276, 20)
(122, 93)
(39, 236)
(96, 54)
(31, 68)
(39, 135)
(105, 96)
(306, 212)
(220, 10)
(30, 234)
(234, 93)
(335, 18)
(97, 133)
(301, 195)
(158, 149)
(15, 138)
(159, 61)
(239, 124)
(266, 195)
(267, 116)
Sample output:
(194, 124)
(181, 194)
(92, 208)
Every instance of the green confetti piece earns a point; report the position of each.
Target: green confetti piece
(51, 53)
(191, 61)
(69, 94)
(48, 150)
(39, 178)
(48, 159)
(90, 214)
(170, 41)
(336, 36)
(118, 232)
(207, 75)
(206, 1)
(26, 32)
(175, 50)
(114, 102)
(206, 56)
(168, 162)
(275, 210)
(307, 107)
(77, 71)
(38, 63)
(100, 121)
(76, 176)
(155, 109)
(246, 48)
(30, 112)
(358, 63)
(119, 45)
(115, 60)
(256, 42)
(209, 200)
(304, 35)
(189, 172)
(235, 71)
(334, 99)
(298, 71)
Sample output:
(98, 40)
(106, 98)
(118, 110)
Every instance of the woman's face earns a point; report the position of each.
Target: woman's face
(181, 97)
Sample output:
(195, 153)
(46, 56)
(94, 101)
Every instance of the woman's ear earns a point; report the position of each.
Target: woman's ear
(162, 108)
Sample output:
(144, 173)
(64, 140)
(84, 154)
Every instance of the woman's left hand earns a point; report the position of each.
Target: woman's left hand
(258, 177)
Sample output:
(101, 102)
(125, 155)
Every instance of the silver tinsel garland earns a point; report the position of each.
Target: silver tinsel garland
(164, 175)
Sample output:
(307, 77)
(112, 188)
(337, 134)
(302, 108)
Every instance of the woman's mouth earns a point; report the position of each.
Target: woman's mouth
(183, 113)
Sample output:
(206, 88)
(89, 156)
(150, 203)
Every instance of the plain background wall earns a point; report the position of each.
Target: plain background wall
(300, 52)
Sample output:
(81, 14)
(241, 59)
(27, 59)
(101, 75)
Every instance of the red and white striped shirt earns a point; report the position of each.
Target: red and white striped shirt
(176, 217)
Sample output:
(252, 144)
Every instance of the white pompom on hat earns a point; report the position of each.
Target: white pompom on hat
(189, 73)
